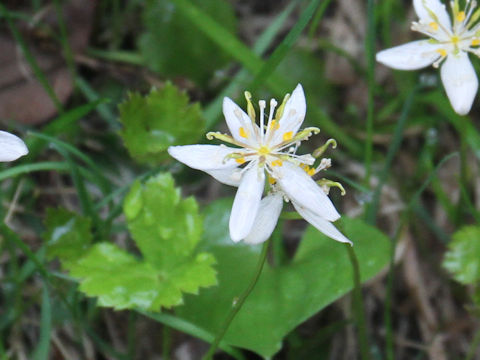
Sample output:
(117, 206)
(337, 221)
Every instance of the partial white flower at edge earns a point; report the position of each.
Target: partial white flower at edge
(11, 147)
(264, 151)
(450, 41)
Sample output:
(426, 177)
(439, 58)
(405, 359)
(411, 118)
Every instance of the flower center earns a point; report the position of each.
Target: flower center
(455, 39)
(264, 150)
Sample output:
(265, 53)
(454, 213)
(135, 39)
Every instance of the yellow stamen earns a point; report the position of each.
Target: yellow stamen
(274, 125)
(442, 52)
(243, 133)
(433, 25)
(263, 150)
(240, 160)
(277, 162)
(461, 16)
(475, 42)
(288, 136)
(271, 180)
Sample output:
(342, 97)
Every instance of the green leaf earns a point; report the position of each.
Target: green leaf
(166, 229)
(462, 259)
(68, 235)
(158, 120)
(285, 296)
(174, 47)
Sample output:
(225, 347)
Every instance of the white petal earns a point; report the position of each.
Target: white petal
(11, 147)
(321, 224)
(411, 56)
(231, 176)
(236, 118)
(300, 188)
(293, 115)
(460, 81)
(246, 203)
(204, 157)
(424, 8)
(266, 220)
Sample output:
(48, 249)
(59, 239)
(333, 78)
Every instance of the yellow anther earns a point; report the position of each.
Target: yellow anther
(240, 160)
(263, 150)
(271, 180)
(460, 16)
(475, 42)
(433, 25)
(288, 136)
(442, 52)
(274, 125)
(250, 108)
(277, 162)
(309, 170)
(243, 133)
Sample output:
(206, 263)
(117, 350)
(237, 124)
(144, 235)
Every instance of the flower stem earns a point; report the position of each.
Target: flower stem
(358, 307)
(238, 303)
(370, 55)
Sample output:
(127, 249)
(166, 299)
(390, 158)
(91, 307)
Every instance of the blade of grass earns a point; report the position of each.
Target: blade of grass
(253, 63)
(42, 79)
(42, 350)
(371, 211)
(191, 329)
(102, 181)
(286, 45)
(213, 110)
(58, 125)
(103, 108)
(390, 351)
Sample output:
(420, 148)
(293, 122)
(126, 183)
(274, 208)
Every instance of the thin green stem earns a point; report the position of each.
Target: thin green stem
(166, 342)
(358, 306)
(370, 54)
(238, 303)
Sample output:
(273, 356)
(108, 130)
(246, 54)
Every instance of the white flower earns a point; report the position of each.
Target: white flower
(11, 147)
(264, 151)
(450, 42)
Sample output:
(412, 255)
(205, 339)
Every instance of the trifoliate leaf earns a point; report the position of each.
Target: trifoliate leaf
(285, 295)
(158, 120)
(67, 236)
(173, 46)
(463, 256)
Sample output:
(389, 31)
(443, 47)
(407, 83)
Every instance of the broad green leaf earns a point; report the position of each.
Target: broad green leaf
(174, 47)
(285, 296)
(158, 120)
(462, 259)
(166, 230)
(68, 235)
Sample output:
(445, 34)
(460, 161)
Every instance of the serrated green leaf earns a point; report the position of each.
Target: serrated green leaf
(166, 230)
(121, 281)
(158, 120)
(462, 259)
(285, 296)
(174, 47)
(67, 235)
